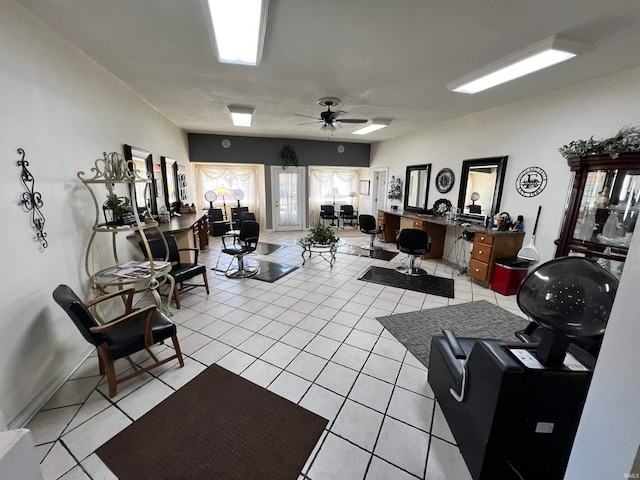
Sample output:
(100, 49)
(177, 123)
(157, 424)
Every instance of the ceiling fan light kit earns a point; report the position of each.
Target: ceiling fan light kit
(538, 56)
(237, 29)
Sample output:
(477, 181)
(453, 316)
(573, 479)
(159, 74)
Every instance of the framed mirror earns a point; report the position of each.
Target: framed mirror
(481, 185)
(416, 188)
(145, 197)
(170, 183)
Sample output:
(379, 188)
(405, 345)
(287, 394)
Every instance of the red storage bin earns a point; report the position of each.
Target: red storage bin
(508, 274)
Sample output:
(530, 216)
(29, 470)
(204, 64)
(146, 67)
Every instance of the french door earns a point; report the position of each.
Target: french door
(288, 198)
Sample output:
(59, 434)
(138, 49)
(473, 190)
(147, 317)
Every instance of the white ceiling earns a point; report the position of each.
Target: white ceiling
(382, 58)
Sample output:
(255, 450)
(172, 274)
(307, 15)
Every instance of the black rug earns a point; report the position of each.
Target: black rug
(267, 271)
(218, 426)
(267, 248)
(363, 252)
(479, 319)
(443, 287)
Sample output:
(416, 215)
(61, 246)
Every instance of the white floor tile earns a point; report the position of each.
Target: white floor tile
(411, 408)
(322, 347)
(403, 446)
(307, 365)
(351, 357)
(339, 460)
(290, 386)
(445, 461)
(57, 462)
(145, 398)
(261, 373)
(48, 425)
(236, 361)
(337, 378)
(358, 424)
(323, 402)
(280, 354)
(381, 470)
(371, 392)
(382, 368)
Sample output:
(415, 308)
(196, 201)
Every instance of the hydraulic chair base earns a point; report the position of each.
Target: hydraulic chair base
(242, 271)
(411, 269)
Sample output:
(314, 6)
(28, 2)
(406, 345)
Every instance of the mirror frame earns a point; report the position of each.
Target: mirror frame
(501, 165)
(131, 153)
(166, 164)
(407, 188)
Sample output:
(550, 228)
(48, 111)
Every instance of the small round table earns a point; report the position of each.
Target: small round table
(311, 247)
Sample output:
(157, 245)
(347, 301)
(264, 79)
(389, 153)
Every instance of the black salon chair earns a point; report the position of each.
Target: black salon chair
(328, 212)
(218, 226)
(242, 217)
(235, 216)
(368, 225)
(245, 243)
(122, 336)
(180, 271)
(348, 214)
(414, 243)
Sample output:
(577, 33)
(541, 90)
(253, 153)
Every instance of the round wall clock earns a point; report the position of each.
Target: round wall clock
(444, 180)
(531, 181)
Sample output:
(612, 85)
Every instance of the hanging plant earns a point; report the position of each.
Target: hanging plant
(287, 156)
(626, 140)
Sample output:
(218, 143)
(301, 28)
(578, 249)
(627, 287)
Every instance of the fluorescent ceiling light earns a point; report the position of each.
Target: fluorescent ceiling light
(240, 116)
(371, 127)
(238, 28)
(541, 55)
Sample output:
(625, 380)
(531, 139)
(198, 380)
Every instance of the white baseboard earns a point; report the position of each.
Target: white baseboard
(34, 406)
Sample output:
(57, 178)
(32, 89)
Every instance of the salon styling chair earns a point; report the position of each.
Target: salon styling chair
(245, 243)
(414, 243)
(368, 225)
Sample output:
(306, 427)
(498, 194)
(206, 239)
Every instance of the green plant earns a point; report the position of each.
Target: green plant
(119, 207)
(321, 235)
(626, 140)
(287, 156)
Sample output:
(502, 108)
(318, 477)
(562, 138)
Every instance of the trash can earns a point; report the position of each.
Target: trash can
(508, 274)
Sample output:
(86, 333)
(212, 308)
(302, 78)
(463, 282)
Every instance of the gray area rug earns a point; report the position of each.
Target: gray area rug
(479, 319)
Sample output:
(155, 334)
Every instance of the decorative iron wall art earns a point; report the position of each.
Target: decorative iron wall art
(31, 201)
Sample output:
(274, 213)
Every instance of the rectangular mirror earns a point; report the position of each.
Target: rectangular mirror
(144, 193)
(170, 183)
(416, 188)
(481, 185)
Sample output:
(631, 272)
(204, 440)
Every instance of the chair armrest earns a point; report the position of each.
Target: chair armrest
(149, 310)
(128, 301)
(454, 345)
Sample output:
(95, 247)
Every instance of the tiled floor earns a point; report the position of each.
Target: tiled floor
(311, 337)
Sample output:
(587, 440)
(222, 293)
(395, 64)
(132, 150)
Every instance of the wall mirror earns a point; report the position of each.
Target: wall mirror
(145, 193)
(170, 183)
(481, 185)
(416, 188)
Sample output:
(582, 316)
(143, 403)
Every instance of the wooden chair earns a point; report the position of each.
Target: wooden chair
(125, 335)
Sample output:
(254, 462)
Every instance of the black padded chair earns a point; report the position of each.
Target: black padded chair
(218, 226)
(415, 243)
(242, 217)
(245, 243)
(328, 212)
(235, 216)
(125, 335)
(180, 271)
(347, 213)
(368, 225)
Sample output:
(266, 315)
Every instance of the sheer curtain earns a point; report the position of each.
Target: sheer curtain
(232, 177)
(328, 186)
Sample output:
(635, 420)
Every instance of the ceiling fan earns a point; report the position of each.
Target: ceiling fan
(330, 119)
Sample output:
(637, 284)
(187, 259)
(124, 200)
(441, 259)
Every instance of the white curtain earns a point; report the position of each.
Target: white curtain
(232, 177)
(331, 185)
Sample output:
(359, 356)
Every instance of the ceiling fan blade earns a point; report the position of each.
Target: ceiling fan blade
(309, 123)
(351, 120)
(306, 116)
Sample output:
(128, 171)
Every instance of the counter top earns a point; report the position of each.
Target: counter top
(474, 227)
(186, 221)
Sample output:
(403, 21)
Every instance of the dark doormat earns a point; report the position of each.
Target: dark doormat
(363, 252)
(479, 319)
(443, 287)
(218, 426)
(267, 271)
(267, 248)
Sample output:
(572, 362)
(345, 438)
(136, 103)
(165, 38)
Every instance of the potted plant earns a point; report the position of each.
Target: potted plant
(287, 156)
(120, 208)
(395, 191)
(321, 235)
(626, 140)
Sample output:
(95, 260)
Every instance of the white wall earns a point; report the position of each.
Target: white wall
(530, 132)
(64, 110)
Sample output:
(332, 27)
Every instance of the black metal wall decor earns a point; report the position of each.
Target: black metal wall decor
(31, 201)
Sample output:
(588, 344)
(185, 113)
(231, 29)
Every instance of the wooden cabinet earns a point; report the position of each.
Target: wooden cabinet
(602, 210)
(391, 225)
(487, 247)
